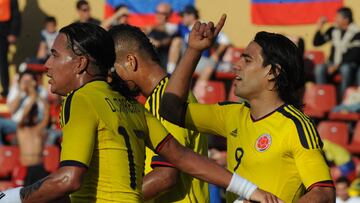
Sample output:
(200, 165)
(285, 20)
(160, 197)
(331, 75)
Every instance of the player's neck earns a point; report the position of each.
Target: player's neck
(151, 78)
(262, 106)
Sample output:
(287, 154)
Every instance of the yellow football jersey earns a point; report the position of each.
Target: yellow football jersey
(281, 153)
(188, 189)
(107, 133)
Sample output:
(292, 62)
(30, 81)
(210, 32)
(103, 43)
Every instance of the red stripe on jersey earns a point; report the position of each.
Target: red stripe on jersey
(161, 144)
(160, 163)
(327, 183)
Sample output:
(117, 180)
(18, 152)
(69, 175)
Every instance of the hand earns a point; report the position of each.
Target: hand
(11, 39)
(262, 196)
(331, 69)
(321, 22)
(203, 34)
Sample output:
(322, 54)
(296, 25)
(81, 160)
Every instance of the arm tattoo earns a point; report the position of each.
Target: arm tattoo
(26, 192)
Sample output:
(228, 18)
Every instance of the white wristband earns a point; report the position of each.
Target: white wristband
(241, 186)
(10, 196)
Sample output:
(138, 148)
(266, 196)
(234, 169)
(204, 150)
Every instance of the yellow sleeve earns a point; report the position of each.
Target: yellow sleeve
(310, 161)
(79, 127)
(157, 133)
(207, 118)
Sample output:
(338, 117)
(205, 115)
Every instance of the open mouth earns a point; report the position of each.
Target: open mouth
(238, 78)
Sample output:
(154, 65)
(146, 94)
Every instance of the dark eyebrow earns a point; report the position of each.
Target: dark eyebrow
(246, 55)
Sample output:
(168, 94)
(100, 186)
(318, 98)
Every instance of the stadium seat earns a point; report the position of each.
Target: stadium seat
(224, 75)
(319, 100)
(39, 68)
(231, 96)
(213, 92)
(51, 158)
(354, 146)
(9, 159)
(141, 99)
(318, 57)
(345, 116)
(334, 131)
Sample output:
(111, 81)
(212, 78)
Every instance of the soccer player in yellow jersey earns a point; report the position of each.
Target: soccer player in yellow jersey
(269, 140)
(164, 183)
(105, 131)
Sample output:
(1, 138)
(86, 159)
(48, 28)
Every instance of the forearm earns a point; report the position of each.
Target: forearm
(173, 103)
(15, 103)
(52, 187)
(46, 115)
(180, 82)
(27, 108)
(318, 39)
(205, 74)
(158, 181)
(195, 165)
(319, 195)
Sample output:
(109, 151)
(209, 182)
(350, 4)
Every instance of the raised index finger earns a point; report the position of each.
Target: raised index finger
(220, 24)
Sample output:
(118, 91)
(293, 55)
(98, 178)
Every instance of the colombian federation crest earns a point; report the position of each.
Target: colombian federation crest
(263, 143)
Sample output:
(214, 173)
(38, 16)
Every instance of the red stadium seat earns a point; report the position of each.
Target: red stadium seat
(334, 131)
(51, 158)
(141, 99)
(40, 68)
(345, 116)
(224, 75)
(9, 159)
(319, 99)
(318, 57)
(355, 143)
(213, 92)
(231, 96)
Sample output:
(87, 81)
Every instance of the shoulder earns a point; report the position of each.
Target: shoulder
(303, 127)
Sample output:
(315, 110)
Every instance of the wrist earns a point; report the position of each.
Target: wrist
(11, 196)
(241, 186)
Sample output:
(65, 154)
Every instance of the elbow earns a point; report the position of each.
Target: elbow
(327, 193)
(71, 185)
(68, 183)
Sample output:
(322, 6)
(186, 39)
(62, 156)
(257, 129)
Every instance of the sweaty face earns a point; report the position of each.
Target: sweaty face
(251, 76)
(61, 66)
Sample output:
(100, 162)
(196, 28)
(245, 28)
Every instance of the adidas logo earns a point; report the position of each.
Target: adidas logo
(234, 132)
(2, 195)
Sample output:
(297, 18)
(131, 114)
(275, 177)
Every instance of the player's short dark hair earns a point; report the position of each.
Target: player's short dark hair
(120, 6)
(190, 9)
(278, 50)
(127, 37)
(346, 13)
(93, 41)
(80, 3)
(27, 72)
(49, 19)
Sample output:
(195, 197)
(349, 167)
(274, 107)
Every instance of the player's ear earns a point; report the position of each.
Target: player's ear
(274, 71)
(82, 65)
(131, 62)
